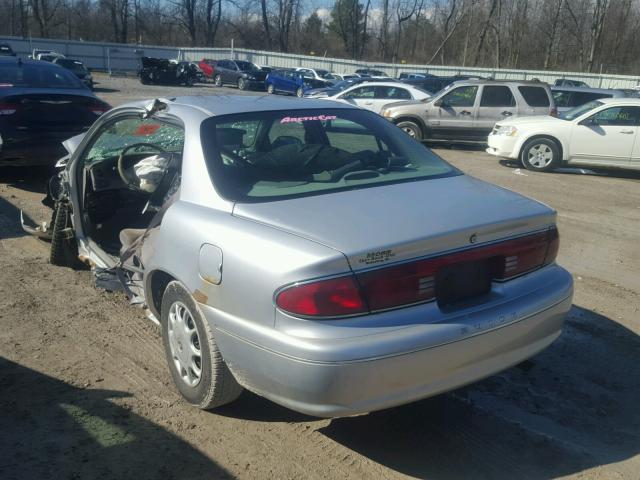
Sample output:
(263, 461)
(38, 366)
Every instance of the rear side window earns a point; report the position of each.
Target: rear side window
(393, 92)
(618, 116)
(535, 96)
(497, 96)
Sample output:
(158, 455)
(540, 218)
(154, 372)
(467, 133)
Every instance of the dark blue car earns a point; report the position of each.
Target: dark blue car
(290, 81)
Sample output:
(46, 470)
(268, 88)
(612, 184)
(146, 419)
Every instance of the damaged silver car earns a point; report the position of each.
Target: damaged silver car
(308, 251)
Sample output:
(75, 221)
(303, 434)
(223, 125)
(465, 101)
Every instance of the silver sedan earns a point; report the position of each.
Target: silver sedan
(307, 251)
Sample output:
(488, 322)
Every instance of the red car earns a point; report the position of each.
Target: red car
(207, 66)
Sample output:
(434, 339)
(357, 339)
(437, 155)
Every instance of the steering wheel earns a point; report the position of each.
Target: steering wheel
(130, 180)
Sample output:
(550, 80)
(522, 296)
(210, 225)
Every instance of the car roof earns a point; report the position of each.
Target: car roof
(25, 61)
(230, 104)
(587, 89)
(620, 101)
(476, 81)
(383, 84)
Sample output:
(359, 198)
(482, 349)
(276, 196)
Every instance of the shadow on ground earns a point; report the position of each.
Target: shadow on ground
(30, 179)
(592, 171)
(574, 406)
(53, 430)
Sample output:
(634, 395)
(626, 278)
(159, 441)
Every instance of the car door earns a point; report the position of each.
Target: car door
(452, 116)
(230, 74)
(496, 103)
(359, 96)
(607, 137)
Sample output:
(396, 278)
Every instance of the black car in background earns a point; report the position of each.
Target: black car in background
(243, 74)
(6, 50)
(41, 105)
(162, 71)
(78, 69)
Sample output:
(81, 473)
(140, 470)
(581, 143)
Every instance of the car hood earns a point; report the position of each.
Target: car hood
(534, 119)
(405, 103)
(403, 221)
(328, 91)
(258, 74)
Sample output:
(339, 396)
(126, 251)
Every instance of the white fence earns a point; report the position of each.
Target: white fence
(126, 57)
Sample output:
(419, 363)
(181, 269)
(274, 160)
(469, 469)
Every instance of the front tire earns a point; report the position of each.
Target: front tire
(540, 155)
(270, 88)
(299, 92)
(242, 84)
(196, 365)
(217, 80)
(64, 248)
(411, 128)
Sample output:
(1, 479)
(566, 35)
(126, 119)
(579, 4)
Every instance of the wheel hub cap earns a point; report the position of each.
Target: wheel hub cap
(540, 155)
(184, 343)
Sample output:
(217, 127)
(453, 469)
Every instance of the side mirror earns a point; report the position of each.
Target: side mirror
(439, 103)
(589, 122)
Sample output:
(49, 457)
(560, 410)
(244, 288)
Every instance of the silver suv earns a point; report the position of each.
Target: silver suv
(466, 111)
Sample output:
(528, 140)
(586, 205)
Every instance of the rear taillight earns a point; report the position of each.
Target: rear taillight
(414, 282)
(8, 108)
(99, 109)
(333, 297)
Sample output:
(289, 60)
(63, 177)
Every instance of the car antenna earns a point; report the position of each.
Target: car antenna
(154, 107)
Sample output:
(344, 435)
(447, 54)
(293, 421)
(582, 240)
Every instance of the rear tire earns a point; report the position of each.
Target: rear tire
(217, 80)
(540, 155)
(299, 92)
(64, 248)
(270, 88)
(194, 350)
(411, 128)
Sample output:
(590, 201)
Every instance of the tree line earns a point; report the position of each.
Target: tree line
(583, 35)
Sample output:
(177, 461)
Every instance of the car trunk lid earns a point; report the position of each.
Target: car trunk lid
(47, 112)
(393, 223)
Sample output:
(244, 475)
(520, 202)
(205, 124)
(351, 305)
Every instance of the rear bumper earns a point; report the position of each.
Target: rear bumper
(33, 151)
(331, 377)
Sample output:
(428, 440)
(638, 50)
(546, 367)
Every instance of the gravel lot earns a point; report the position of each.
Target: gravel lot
(85, 393)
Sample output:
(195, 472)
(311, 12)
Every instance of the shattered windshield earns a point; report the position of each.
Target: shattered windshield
(129, 131)
(273, 155)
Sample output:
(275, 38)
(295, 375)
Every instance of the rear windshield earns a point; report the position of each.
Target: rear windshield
(37, 76)
(535, 96)
(261, 156)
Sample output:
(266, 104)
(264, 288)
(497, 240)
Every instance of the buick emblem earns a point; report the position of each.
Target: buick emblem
(473, 238)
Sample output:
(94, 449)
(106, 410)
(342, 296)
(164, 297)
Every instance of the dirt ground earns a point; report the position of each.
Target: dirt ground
(85, 393)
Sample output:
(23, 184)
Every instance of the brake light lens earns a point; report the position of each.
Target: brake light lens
(414, 282)
(8, 108)
(100, 109)
(333, 297)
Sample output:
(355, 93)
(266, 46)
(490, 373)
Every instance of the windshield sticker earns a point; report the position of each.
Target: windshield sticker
(148, 129)
(381, 256)
(321, 118)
